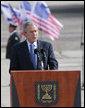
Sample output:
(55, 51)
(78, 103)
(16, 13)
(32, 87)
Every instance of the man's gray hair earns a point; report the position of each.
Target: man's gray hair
(28, 24)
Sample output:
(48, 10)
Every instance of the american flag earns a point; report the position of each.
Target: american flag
(42, 16)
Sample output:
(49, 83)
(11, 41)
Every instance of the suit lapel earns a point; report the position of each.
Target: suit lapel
(25, 47)
(27, 53)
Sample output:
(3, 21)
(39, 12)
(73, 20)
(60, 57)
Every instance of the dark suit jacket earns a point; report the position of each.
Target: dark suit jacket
(13, 39)
(20, 58)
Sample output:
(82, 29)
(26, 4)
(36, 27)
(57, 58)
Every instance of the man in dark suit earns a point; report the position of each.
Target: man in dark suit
(32, 53)
(13, 39)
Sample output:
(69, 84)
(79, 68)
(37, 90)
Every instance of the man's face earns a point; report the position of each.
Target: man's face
(31, 33)
(11, 29)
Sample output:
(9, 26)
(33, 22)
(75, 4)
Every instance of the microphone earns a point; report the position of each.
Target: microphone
(40, 63)
(36, 51)
(44, 57)
(43, 52)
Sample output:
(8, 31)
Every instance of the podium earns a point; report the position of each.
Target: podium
(45, 88)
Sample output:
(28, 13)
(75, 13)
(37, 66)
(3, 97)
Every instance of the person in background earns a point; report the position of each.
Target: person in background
(13, 39)
(32, 53)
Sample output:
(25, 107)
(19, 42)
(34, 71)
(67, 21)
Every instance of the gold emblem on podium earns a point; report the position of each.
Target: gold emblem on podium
(46, 89)
(46, 93)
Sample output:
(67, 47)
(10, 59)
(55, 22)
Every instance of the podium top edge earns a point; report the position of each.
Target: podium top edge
(13, 71)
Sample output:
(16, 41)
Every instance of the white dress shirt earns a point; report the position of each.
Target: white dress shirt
(34, 44)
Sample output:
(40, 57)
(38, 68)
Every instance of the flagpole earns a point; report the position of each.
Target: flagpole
(81, 45)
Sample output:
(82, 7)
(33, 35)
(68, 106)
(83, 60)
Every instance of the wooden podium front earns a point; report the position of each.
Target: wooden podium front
(47, 88)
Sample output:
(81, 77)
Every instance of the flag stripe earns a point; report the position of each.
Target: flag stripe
(50, 34)
(56, 22)
(5, 6)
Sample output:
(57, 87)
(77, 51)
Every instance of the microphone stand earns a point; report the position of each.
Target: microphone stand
(40, 63)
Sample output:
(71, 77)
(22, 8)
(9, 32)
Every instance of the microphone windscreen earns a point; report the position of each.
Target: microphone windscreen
(42, 51)
(36, 51)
